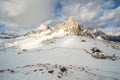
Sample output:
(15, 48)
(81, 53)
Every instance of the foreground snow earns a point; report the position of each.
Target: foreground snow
(57, 56)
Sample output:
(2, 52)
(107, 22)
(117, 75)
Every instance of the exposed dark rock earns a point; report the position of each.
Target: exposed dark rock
(12, 71)
(24, 50)
(95, 49)
(2, 71)
(35, 70)
(19, 53)
(59, 76)
(51, 71)
(63, 69)
(83, 40)
(40, 69)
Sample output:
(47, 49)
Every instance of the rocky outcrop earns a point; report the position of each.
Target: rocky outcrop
(71, 26)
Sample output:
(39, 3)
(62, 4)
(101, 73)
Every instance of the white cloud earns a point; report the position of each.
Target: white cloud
(26, 12)
(95, 13)
(108, 4)
(108, 16)
(13, 7)
(83, 10)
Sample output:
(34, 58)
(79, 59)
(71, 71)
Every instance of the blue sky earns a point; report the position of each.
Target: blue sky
(23, 15)
(2, 27)
(58, 8)
(117, 3)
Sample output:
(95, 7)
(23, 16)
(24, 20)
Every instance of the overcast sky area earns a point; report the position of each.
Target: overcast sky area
(18, 16)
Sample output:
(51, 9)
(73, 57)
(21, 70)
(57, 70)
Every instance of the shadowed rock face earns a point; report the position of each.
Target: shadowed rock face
(71, 26)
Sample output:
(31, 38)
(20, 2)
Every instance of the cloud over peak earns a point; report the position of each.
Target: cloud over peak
(24, 14)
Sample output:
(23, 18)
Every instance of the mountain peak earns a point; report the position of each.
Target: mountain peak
(71, 26)
(71, 19)
(71, 22)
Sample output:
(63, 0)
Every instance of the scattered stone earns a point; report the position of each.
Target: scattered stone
(40, 69)
(83, 40)
(19, 53)
(113, 59)
(59, 76)
(35, 70)
(56, 66)
(82, 68)
(12, 71)
(51, 71)
(26, 73)
(113, 55)
(42, 72)
(24, 50)
(2, 71)
(102, 56)
(63, 69)
(95, 49)
(8, 70)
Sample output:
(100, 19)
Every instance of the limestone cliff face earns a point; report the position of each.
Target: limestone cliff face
(71, 26)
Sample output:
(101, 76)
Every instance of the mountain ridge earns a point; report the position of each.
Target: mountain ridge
(71, 26)
(7, 36)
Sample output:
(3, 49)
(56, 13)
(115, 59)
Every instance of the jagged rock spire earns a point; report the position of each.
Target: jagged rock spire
(71, 26)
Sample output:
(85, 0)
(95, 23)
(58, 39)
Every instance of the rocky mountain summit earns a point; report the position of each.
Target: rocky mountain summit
(71, 26)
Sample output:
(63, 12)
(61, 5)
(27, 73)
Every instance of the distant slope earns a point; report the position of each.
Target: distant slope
(7, 36)
(111, 37)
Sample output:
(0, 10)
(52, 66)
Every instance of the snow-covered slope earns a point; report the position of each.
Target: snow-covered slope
(58, 56)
